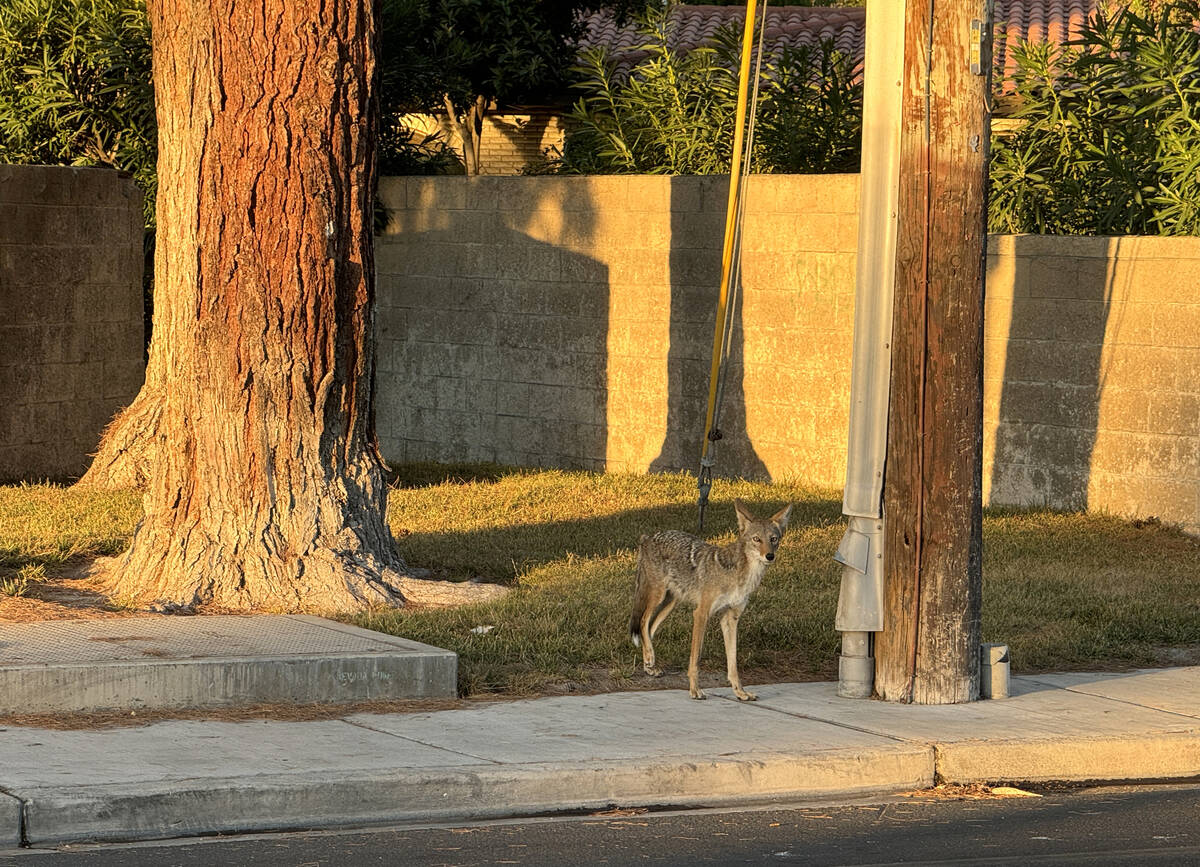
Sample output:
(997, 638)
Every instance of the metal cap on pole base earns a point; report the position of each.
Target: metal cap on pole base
(856, 667)
(993, 671)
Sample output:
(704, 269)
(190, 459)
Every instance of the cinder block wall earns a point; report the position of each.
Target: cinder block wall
(568, 322)
(1092, 375)
(71, 318)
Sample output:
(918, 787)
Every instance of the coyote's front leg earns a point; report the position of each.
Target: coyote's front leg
(729, 624)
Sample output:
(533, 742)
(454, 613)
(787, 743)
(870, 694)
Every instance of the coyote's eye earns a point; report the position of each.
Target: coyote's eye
(756, 539)
(774, 539)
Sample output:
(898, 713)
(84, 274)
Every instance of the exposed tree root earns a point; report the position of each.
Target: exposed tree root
(127, 448)
(322, 590)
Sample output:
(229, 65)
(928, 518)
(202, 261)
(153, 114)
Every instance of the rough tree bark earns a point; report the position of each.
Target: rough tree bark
(266, 490)
(127, 449)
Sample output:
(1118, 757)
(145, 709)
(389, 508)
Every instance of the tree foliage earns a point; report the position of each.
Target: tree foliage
(791, 2)
(460, 56)
(75, 86)
(1111, 141)
(674, 111)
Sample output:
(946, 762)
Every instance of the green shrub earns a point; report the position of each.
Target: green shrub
(674, 112)
(75, 86)
(401, 153)
(1111, 141)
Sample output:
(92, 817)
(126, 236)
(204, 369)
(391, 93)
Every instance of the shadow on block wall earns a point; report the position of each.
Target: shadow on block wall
(1053, 376)
(697, 232)
(492, 325)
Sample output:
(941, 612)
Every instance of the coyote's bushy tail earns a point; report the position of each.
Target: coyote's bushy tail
(640, 601)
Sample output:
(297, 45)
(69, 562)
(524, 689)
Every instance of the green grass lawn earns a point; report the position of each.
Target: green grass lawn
(1064, 591)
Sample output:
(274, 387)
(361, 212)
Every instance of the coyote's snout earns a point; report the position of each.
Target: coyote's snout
(675, 566)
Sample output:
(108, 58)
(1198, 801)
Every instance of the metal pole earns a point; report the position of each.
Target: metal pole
(860, 604)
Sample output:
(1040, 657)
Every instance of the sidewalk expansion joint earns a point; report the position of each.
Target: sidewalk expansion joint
(766, 707)
(22, 819)
(1187, 716)
(422, 743)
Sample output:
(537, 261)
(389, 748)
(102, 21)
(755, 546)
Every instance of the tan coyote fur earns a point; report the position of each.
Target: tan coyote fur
(675, 566)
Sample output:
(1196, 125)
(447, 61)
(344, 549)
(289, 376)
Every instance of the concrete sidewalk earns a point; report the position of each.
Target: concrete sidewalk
(799, 741)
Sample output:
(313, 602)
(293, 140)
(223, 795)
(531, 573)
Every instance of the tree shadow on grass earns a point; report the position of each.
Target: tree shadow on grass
(428, 474)
(501, 554)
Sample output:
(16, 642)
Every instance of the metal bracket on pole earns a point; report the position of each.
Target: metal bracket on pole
(860, 605)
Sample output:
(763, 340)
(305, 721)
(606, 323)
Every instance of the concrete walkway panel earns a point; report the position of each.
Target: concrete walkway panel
(625, 725)
(1034, 711)
(632, 749)
(196, 750)
(1042, 732)
(137, 663)
(1169, 689)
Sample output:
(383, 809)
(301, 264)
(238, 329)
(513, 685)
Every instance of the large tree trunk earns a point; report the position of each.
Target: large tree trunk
(266, 490)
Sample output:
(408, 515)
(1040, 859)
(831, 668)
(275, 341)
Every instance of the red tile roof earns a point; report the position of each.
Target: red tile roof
(1015, 20)
(693, 26)
(1036, 21)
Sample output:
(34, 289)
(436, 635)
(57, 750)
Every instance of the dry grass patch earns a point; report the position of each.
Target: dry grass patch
(49, 536)
(567, 540)
(1071, 591)
(1065, 591)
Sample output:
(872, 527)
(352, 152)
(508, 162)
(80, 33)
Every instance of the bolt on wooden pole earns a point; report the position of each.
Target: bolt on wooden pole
(928, 651)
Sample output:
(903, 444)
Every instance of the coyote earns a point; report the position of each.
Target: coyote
(674, 566)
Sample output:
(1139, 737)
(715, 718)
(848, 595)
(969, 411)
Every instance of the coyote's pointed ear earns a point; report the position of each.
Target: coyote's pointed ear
(743, 515)
(781, 517)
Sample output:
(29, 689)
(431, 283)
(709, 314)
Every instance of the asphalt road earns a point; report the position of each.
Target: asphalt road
(1156, 825)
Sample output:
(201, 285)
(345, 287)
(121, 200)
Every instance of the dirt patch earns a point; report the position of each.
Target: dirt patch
(275, 712)
(77, 590)
(69, 591)
(969, 792)
(1189, 654)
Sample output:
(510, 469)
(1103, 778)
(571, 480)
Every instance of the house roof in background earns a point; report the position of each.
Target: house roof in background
(1037, 21)
(1016, 20)
(695, 26)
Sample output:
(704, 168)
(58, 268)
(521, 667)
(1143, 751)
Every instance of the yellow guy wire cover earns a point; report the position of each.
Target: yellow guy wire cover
(735, 175)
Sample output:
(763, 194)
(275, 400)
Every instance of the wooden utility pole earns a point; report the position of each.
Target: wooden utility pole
(928, 651)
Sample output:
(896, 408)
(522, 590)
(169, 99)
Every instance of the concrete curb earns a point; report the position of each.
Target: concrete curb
(10, 822)
(292, 802)
(226, 682)
(1152, 756)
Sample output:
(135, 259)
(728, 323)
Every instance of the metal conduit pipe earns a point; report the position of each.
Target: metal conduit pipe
(860, 604)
